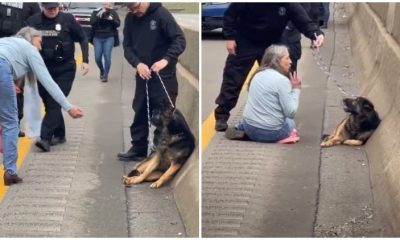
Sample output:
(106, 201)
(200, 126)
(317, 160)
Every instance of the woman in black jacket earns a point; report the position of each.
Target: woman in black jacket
(105, 22)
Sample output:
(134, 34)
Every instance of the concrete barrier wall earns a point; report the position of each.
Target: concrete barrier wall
(378, 53)
(190, 58)
(186, 182)
(380, 9)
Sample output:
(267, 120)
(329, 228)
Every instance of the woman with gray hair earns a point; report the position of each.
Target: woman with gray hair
(19, 55)
(272, 101)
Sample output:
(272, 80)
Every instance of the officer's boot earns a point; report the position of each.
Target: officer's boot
(20, 133)
(135, 153)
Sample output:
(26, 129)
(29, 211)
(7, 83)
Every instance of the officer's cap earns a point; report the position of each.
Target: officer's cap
(50, 4)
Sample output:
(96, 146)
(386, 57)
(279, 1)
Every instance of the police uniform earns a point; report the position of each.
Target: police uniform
(291, 36)
(254, 27)
(58, 47)
(149, 39)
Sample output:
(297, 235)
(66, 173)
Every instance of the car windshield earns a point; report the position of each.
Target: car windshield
(90, 5)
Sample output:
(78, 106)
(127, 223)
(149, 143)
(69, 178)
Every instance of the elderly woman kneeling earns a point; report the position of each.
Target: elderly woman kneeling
(272, 101)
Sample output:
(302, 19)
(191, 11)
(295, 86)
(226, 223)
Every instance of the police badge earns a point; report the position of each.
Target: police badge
(58, 27)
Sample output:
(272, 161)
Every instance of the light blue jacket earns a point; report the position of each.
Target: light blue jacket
(270, 101)
(24, 57)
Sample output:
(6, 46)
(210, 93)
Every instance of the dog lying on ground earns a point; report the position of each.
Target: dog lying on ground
(357, 127)
(176, 144)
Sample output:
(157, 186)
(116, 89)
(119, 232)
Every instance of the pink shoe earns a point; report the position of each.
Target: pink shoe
(293, 138)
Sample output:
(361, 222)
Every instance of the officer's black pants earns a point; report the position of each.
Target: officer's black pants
(20, 105)
(53, 122)
(295, 54)
(157, 96)
(236, 69)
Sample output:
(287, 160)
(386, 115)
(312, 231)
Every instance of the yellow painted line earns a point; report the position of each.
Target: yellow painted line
(207, 128)
(24, 145)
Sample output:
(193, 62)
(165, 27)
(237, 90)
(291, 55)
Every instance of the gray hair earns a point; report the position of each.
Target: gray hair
(28, 33)
(271, 59)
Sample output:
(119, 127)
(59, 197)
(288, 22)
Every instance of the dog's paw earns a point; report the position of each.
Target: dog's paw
(131, 180)
(326, 144)
(156, 184)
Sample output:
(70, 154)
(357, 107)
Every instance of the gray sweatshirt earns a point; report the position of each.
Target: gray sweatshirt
(270, 101)
(24, 57)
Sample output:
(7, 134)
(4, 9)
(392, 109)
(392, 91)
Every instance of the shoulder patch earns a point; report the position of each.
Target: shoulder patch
(153, 25)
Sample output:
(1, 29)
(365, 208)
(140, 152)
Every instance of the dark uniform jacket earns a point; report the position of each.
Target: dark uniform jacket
(153, 37)
(262, 24)
(18, 14)
(59, 36)
(103, 27)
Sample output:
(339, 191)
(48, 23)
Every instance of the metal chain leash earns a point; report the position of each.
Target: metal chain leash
(326, 69)
(148, 104)
(148, 113)
(166, 92)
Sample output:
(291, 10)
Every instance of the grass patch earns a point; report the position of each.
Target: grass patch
(182, 7)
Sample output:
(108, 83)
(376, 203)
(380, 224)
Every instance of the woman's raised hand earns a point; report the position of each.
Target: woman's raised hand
(295, 80)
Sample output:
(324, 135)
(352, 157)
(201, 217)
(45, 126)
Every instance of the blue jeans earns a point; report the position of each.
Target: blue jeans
(265, 135)
(8, 118)
(103, 48)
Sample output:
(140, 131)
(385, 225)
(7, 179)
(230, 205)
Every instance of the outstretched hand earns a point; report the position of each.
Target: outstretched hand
(75, 112)
(295, 80)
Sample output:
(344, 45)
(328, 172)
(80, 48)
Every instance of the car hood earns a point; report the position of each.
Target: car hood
(86, 11)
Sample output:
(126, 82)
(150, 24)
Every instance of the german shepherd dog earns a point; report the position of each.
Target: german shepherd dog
(176, 144)
(357, 127)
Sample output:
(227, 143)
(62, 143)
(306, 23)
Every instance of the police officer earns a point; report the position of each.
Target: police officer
(60, 31)
(249, 29)
(152, 44)
(291, 36)
(13, 16)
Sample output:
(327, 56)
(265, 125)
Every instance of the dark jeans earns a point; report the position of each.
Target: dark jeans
(139, 128)
(53, 122)
(236, 69)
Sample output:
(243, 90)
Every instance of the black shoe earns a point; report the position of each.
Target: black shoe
(11, 179)
(57, 140)
(44, 145)
(235, 134)
(133, 154)
(21, 134)
(221, 126)
(104, 78)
